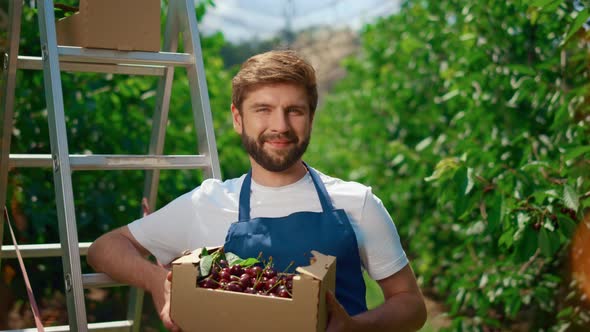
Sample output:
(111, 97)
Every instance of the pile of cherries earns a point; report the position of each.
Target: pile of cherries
(255, 279)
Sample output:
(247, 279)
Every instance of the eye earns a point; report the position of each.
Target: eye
(295, 110)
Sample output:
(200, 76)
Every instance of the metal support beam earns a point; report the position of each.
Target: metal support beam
(7, 86)
(62, 176)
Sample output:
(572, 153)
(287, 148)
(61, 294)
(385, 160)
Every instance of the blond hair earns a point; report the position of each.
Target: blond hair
(272, 67)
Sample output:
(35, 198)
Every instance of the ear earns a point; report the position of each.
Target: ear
(236, 118)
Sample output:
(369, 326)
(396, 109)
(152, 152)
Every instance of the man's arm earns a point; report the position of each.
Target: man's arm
(119, 255)
(403, 309)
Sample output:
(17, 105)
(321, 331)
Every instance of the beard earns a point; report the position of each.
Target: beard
(280, 160)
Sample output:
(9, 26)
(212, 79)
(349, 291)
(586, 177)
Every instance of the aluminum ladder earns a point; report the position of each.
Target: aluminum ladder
(54, 59)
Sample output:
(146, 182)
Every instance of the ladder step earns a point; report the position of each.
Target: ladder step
(40, 250)
(90, 280)
(99, 280)
(36, 63)
(91, 55)
(115, 326)
(114, 162)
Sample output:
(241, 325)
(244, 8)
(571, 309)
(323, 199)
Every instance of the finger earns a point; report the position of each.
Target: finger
(169, 324)
(330, 299)
(169, 276)
(334, 307)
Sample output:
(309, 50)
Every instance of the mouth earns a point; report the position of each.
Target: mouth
(279, 143)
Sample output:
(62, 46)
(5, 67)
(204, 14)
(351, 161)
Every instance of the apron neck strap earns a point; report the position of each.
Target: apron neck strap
(244, 208)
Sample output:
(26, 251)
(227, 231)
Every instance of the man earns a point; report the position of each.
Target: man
(282, 208)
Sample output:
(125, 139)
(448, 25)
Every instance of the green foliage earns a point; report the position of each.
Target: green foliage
(470, 121)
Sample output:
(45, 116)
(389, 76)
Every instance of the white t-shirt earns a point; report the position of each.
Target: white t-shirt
(202, 217)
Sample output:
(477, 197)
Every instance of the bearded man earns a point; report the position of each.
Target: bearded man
(282, 208)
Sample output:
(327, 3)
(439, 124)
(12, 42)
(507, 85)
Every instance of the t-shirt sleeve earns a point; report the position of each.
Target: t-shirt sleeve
(164, 233)
(382, 252)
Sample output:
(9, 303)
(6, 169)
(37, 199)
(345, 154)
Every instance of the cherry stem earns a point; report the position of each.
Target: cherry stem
(288, 267)
(273, 286)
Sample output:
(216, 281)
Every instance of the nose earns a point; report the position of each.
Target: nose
(280, 121)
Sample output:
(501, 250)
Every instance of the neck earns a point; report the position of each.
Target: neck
(267, 178)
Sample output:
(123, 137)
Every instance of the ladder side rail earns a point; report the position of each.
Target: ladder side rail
(160, 117)
(7, 102)
(198, 84)
(62, 172)
(156, 147)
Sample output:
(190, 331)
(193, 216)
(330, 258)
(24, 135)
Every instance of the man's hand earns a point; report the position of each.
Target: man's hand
(338, 318)
(161, 297)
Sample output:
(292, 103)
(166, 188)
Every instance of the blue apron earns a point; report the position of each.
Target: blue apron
(291, 239)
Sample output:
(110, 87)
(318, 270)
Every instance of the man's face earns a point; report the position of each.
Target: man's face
(275, 125)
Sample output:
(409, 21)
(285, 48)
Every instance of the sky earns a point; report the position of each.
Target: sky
(242, 20)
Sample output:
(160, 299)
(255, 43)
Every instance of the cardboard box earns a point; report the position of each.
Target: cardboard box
(126, 25)
(199, 309)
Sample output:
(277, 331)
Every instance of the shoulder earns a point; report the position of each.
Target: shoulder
(216, 191)
(216, 185)
(343, 187)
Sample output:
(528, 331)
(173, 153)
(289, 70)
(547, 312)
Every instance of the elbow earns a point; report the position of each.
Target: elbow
(421, 314)
(91, 255)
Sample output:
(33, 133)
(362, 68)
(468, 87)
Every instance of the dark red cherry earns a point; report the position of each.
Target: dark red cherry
(237, 270)
(284, 293)
(246, 280)
(224, 273)
(269, 272)
(234, 287)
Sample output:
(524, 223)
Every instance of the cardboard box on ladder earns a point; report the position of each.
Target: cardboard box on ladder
(125, 25)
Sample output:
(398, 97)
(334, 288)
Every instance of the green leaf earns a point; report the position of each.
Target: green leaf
(249, 262)
(566, 226)
(522, 69)
(232, 258)
(506, 239)
(533, 13)
(567, 312)
(570, 198)
(495, 212)
(548, 243)
(576, 152)
(470, 182)
(205, 265)
(527, 244)
(536, 164)
(541, 3)
(580, 19)
(552, 6)
(442, 168)
(461, 181)
(204, 252)
(449, 95)
(514, 307)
